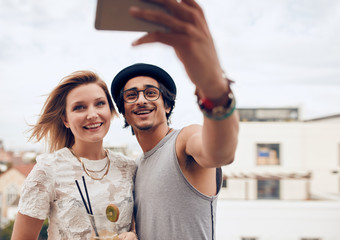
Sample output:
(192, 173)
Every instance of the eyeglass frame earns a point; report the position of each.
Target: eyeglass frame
(138, 91)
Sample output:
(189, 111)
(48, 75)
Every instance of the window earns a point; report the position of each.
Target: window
(224, 183)
(337, 172)
(268, 154)
(12, 194)
(268, 114)
(339, 156)
(268, 189)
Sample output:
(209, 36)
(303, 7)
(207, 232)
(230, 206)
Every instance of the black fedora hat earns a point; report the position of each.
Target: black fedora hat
(141, 69)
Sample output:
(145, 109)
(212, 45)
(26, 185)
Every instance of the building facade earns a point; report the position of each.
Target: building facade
(282, 157)
(284, 183)
(10, 187)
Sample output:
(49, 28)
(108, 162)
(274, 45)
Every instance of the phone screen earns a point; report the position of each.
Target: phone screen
(114, 15)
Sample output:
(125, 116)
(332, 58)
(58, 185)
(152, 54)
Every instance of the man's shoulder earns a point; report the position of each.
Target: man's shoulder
(187, 138)
(189, 130)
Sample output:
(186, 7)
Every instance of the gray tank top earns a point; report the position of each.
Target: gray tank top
(167, 206)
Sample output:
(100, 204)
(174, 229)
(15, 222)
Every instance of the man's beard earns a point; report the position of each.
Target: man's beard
(144, 128)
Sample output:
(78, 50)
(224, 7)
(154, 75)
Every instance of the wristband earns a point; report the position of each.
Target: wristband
(221, 110)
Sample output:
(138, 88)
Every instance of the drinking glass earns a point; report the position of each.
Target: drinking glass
(102, 228)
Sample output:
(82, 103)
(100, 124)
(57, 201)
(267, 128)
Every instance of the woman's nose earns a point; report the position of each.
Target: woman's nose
(92, 113)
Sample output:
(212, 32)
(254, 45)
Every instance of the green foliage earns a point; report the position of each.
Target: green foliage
(43, 232)
(6, 232)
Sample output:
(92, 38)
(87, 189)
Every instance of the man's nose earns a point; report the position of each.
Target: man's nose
(141, 98)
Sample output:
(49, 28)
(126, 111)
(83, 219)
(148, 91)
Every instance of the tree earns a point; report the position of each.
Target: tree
(43, 232)
(6, 232)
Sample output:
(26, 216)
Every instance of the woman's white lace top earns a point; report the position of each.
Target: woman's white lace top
(50, 192)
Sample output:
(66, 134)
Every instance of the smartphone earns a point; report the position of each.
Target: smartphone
(114, 15)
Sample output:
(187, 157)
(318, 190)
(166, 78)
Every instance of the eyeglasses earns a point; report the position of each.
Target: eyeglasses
(150, 94)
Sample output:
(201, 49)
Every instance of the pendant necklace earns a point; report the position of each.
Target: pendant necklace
(87, 171)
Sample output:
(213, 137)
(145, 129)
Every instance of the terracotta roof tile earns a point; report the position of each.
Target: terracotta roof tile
(25, 169)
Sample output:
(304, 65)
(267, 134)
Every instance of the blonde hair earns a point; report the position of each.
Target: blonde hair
(50, 125)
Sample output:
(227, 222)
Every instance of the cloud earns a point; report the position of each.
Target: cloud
(279, 41)
(280, 53)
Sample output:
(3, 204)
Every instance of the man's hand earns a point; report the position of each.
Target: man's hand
(190, 37)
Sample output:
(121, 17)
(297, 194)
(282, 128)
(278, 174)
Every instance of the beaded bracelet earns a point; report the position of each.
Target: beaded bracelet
(218, 111)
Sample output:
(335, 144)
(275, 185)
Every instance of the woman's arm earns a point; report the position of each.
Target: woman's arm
(26, 228)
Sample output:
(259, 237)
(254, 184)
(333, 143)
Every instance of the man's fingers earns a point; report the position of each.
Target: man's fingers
(172, 23)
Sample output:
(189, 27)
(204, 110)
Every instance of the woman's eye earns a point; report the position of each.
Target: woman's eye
(79, 107)
(101, 103)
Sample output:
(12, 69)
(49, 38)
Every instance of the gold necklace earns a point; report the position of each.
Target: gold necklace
(98, 171)
(87, 171)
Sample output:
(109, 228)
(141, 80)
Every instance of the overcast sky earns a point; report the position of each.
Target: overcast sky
(283, 53)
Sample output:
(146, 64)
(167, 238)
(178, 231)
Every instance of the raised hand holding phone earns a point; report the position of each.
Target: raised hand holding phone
(188, 33)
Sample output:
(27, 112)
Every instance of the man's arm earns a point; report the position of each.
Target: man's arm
(215, 143)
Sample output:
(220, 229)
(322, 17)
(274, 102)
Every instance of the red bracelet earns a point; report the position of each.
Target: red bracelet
(220, 110)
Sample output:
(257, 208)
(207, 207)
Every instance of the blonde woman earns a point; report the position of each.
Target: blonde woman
(75, 118)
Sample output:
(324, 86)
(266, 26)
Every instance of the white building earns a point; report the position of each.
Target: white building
(280, 157)
(277, 220)
(285, 181)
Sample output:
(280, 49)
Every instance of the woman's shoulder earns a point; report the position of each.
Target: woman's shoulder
(51, 157)
(121, 159)
(45, 169)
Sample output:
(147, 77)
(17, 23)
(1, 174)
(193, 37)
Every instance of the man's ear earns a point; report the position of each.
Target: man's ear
(167, 110)
(63, 118)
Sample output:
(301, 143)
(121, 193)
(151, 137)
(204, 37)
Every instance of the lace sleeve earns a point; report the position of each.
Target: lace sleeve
(38, 189)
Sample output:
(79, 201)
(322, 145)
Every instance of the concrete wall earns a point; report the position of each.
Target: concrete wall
(278, 220)
(304, 147)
